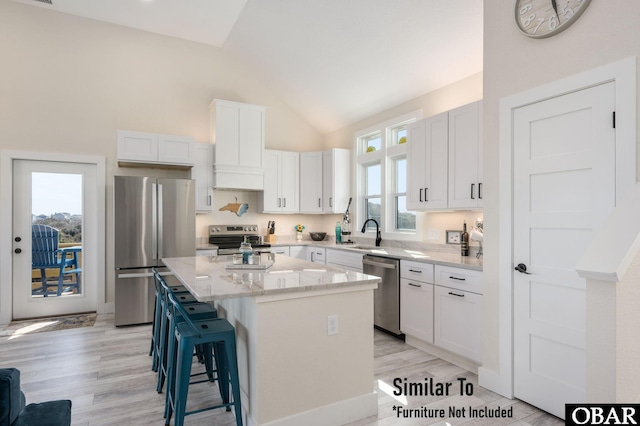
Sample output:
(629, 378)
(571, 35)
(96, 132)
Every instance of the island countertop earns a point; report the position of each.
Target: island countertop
(209, 279)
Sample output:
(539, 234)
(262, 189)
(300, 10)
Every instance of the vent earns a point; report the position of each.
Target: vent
(45, 1)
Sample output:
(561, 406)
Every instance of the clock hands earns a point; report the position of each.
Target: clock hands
(555, 8)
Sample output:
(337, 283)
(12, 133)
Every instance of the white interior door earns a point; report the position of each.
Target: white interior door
(61, 195)
(564, 188)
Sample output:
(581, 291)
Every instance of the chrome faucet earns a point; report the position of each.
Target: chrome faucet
(378, 237)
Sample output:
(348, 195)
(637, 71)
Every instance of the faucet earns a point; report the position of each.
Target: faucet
(378, 237)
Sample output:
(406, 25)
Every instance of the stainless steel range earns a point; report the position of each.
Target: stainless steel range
(229, 237)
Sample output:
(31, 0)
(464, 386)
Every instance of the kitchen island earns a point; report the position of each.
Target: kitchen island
(304, 336)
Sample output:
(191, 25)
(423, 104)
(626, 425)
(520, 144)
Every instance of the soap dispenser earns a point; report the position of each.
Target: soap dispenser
(245, 250)
(338, 233)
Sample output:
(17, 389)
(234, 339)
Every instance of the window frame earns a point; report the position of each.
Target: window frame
(389, 152)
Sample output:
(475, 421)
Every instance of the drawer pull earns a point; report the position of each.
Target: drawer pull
(415, 270)
(456, 294)
(456, 278)
(414, 285)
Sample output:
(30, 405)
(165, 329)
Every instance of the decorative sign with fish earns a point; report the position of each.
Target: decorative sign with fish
(238, 208)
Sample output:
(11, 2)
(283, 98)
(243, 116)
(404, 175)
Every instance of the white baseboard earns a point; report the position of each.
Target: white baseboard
(106, 308)
(444, 354)
(339, 413)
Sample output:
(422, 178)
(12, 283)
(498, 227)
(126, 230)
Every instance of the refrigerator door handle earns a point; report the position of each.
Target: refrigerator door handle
(136, 275)
(160, 224)
(154, 221)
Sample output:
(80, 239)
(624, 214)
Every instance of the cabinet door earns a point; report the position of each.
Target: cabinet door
(416, 170)
(272, 202)
(251, 136)
(427, 163)
(137, 146)
(311, 182)
(176, 150)
(225, 133)
(336, 180)
(458, 322)
(464, 156)
(289, 181)
(316, 254)
(299, 252)
(202, 172)
(416, 309)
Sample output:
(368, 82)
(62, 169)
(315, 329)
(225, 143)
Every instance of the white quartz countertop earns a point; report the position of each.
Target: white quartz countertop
(208, 278)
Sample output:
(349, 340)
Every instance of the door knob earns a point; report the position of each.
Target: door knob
(18, 239)
(18, 251)
(522, 268)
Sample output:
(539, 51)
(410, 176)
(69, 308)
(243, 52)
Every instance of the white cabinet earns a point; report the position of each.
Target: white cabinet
(311, 182)
(237, 130)
(299, 252)
(154, 149)
(202, 173)
(458, 311)
(281, 182)
(281, 250)
(416, 300)
(336, 180)
(458, 322)
(465, 156)
(427, 143)
(316, 254)
(343, 259)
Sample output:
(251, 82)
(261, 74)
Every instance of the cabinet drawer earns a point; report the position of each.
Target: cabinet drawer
(344, 258)
(416, 309)
(459, 278)
(458, 322)
(416, 271)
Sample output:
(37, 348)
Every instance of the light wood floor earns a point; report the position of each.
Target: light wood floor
(106, 373)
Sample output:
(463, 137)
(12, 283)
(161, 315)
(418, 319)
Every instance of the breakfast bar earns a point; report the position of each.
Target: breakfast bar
(304, 335)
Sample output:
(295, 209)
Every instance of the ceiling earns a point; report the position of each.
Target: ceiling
(333, 61)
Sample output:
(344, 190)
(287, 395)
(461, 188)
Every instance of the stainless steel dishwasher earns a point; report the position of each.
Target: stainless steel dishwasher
(386, 298)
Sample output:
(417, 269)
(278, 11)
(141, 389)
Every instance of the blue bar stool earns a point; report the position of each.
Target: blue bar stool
(195, 311)
(188, 334)
(158, 310)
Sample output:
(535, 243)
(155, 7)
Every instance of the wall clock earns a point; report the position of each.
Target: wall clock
(544, 18)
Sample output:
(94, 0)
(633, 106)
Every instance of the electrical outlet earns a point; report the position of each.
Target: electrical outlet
(332, 325)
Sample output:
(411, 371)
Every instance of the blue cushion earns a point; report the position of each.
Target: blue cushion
(51, 413)
(11, 398)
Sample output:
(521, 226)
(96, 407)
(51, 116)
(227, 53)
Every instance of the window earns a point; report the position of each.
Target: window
(381, 164)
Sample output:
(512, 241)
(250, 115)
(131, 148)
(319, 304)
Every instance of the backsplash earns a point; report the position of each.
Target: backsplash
(433, 225)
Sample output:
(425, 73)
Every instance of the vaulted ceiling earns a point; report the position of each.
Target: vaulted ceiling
(334, 61)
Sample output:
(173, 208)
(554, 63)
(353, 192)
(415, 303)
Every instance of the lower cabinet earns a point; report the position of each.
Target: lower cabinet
(299, 252)
(442, 305)
(416, 309)
(458, 322)
(344, 260)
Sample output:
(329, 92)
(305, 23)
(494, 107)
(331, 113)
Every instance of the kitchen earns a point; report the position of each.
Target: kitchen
(157, 93)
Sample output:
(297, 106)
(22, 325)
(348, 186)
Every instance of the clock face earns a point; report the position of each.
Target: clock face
(544, 18)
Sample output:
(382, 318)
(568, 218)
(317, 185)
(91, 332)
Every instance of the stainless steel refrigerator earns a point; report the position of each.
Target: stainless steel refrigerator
(154, 218)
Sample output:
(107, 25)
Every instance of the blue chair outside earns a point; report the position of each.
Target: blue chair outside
(189, 334)
(46, 254)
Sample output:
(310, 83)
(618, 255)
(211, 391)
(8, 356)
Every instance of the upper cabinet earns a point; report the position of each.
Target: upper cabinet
(281, 182)
(444, 155)
(237, 130)
(427, 163)
(336, 180)
(155, 149)
(202, 173)
(465, 157)
(311, 182)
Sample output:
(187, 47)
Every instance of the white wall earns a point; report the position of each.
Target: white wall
(68, 83)
(513, 63)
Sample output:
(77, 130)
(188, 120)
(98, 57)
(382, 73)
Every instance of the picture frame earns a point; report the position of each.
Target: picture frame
(453, 237)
